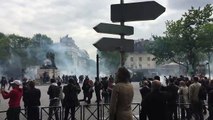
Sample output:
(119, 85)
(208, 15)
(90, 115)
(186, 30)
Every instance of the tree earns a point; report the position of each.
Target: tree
(18, 48)
(109, 61)
(39, 47)
(182, 42)
(18, 52)
(5, 48)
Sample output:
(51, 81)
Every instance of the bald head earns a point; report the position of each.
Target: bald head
(156, 85)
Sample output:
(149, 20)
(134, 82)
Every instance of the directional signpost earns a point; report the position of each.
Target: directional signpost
(112, 44)
(122, 13)
(114, 29)
(149, 10)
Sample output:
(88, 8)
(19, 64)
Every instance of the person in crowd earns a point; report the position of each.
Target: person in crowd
(98, 87)
(155, 104)
(183, 92)
(196, 103)
(3, 82)
(14, 97)
(144, 91)
(81, 78)
(210, 99)
(85, 88)
(10, 81)
(110, 86)
(25, 89)
(54, 93)
(61, 96)
(163, 88)
(33, 96)
(91, 90)
(70, 101)
(122, 96)
(203, 95)
(105, 94)
(172, 91)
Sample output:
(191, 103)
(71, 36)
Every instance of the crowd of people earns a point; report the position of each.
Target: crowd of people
(191, 95)
(62, 91)
(159, 102)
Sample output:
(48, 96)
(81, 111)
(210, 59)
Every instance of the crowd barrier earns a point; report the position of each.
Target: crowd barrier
(83, 112)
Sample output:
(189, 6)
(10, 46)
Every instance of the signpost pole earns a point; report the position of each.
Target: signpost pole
(122, 53)
(98, 104)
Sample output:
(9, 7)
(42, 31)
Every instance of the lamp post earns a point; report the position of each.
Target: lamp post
(209, 57)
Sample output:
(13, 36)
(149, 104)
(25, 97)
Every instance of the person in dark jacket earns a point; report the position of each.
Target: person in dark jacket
(14, 97)
(98, 87)
(172, 91)
(54, 93)
(3, 82)
(85, 88)
(145, 90)
(33, 96)
(154, 105)
(210, 100)
(25, 89)
(10, 81)
(70, 101)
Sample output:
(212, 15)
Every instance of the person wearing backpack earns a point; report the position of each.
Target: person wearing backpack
(54, 93)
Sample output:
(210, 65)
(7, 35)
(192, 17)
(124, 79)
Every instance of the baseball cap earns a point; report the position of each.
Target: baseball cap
(16, 82)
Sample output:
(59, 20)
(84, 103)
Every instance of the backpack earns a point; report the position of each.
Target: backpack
(55, 91)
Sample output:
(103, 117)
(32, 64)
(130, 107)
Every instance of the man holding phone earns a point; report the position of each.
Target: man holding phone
(14, 97)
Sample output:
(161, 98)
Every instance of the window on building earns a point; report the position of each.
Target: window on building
(131, 59)
(148, 58)
(140, 66)
(140, 58)
(132, 66)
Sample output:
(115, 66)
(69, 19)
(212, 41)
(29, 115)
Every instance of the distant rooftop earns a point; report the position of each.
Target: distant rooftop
(139, 45)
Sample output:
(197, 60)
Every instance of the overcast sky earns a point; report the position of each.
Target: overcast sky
(57, 18)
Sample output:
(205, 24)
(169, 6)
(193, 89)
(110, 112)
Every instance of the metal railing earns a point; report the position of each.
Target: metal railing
(56, 111)
(82, 112)
(23, 115)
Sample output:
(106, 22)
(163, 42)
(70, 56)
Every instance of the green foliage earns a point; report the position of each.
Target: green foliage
(5, 48)
(109, 61)
(41, 40)
(18, 52)
(186, 40)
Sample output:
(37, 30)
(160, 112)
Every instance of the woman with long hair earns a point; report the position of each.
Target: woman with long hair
(122, 96)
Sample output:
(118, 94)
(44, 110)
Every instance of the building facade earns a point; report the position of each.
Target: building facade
(138, 61)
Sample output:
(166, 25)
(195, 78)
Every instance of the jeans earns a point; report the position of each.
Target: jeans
(53, 103)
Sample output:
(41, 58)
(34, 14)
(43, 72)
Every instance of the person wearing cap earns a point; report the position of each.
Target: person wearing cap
(14, 97)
